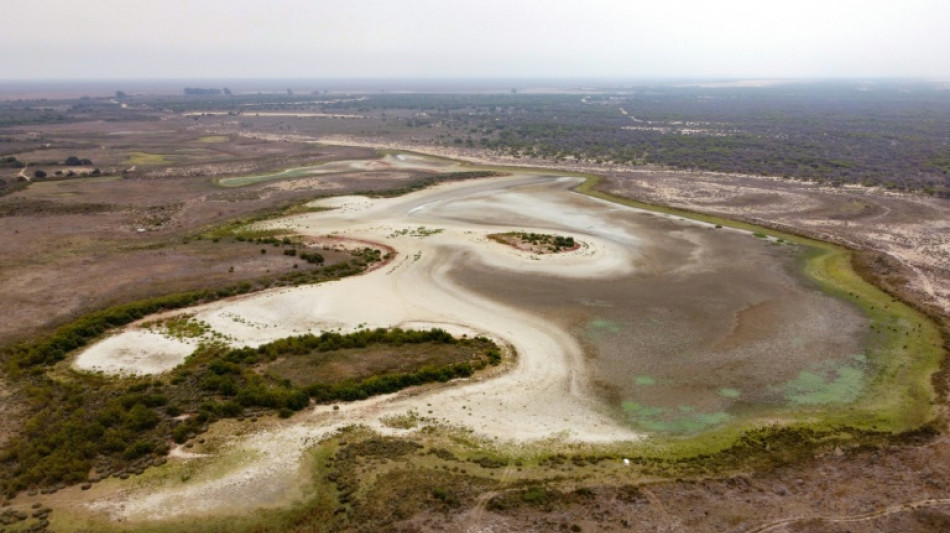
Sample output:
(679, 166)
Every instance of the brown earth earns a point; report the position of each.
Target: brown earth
(898, 488)
(71, 246)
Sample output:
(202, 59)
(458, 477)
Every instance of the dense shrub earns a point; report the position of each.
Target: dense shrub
(114, 425)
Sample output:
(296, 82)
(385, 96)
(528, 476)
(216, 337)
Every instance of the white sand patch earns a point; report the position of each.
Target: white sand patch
(137, 352)
(346, 203)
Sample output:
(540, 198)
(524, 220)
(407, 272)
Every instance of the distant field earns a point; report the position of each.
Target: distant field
(145, 158)
(283, 174)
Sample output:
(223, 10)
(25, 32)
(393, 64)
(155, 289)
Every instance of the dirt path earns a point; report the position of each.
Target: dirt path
(775, 525)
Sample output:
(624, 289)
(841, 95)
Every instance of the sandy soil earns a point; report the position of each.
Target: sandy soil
(135, 352)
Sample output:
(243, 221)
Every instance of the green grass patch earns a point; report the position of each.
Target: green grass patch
(363, 362)
(145, 159)
(603, 325)
(290, 173)
(214, 139)
(644, 380)
(179, 327)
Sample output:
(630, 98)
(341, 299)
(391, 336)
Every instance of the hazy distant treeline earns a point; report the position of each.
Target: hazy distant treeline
(191, 91)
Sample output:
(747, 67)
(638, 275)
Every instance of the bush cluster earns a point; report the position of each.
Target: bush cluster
(116, 426)
(86, 421)
(554, 243)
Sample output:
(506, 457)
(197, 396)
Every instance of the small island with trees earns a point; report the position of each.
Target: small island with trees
(536, 243)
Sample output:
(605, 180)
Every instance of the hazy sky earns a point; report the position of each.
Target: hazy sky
(473, 38)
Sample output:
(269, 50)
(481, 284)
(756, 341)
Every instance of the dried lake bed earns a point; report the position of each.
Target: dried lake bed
(655, 325)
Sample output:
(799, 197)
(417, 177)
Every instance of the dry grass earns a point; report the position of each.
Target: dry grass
(362, 363)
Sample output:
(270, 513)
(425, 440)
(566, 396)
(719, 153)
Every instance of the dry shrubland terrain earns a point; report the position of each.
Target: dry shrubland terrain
(139, 220)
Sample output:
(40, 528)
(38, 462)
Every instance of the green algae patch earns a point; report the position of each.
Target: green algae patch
(841, 385)
(214, 139)
(727, 392)
(644, 380)
(602, 325)
(682, 420)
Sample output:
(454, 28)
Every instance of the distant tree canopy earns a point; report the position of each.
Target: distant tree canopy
(11, 162)
(191, 91)
(73, 161)
(894, 136)
(121, 94)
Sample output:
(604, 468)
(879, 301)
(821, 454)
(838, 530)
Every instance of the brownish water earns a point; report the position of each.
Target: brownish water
(714, 324)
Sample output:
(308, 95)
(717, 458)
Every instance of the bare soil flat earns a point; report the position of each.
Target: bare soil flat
(74, 245)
